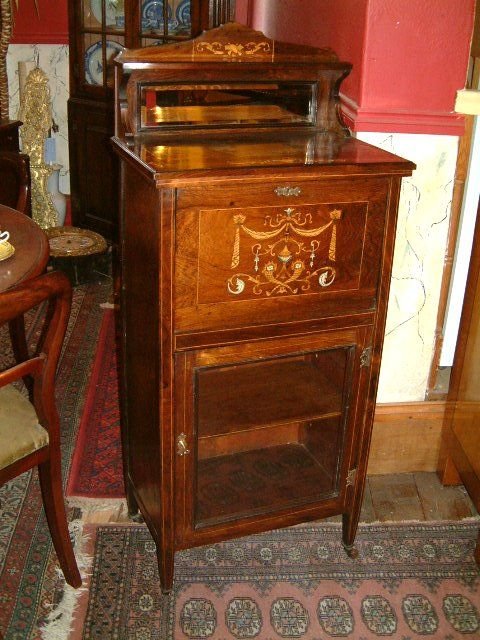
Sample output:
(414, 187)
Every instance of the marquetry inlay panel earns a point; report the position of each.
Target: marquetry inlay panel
(267, 252)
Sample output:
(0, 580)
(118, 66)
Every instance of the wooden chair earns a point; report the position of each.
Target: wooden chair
(15, 188)
(30, 432)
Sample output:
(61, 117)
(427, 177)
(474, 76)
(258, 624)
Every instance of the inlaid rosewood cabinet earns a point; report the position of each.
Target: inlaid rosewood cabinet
(255, 257)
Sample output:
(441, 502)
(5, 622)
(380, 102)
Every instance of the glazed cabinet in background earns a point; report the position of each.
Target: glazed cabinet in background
(99, 30)
(256, 242)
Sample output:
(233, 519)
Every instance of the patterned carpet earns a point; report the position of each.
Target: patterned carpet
(96, 470)
(410, 581)
(33, 595)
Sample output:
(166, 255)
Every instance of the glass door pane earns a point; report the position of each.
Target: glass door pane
(103, 39)
(183, 17)
(270, 433)
(164, 20)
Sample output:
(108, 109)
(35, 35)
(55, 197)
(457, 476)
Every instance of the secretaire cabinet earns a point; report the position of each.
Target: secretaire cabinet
(256, 244)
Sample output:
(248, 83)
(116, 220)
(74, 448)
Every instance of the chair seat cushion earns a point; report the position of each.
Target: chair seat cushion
(20, 433)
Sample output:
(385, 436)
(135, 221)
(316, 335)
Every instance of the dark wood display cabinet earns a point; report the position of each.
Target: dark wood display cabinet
(256, 244)
(99, 29)
(459, 460)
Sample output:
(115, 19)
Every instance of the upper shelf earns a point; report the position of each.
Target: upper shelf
(228, 78)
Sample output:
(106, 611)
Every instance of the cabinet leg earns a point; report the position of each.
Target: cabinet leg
(132, 504)
(348, 537)
(352, 516)
(349, 530)
(166, 563)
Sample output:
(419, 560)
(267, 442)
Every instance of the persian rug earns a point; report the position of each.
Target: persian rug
(96, 470)
(34, 600)
(410, 581)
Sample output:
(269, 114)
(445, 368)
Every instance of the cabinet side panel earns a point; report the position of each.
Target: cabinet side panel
(372, 365)
(140, 303)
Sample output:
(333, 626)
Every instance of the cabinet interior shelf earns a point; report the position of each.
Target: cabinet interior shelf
(249, 482)
(269, 393)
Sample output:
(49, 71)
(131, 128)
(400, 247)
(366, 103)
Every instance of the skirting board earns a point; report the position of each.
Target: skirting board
(406, 437)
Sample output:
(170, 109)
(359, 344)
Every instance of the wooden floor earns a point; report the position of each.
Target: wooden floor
(407, 496)
(414, 496)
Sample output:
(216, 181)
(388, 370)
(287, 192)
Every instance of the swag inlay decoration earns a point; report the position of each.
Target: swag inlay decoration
(285, 269)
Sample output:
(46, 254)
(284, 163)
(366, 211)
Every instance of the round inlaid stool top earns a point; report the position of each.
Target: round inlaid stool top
(72, 242)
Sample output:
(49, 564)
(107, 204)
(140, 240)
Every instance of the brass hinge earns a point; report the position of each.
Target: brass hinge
(351, 477)
(366, 357)
(182, 448)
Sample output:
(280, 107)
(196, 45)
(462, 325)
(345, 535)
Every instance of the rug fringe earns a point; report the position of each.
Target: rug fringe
(59, 622)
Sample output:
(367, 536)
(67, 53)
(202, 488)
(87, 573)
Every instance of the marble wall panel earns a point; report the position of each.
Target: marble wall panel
(53, 60)
(420, 247)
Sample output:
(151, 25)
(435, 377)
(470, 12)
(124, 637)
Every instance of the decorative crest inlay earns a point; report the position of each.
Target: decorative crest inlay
(285, 256)
(233, 49)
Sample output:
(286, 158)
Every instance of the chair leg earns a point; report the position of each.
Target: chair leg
(51, 485)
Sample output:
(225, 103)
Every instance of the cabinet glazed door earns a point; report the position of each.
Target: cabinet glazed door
(265, 429)
(102, 29)
(162, 21)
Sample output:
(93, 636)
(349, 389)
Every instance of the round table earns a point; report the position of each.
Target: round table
(31, 249)
(28, 261)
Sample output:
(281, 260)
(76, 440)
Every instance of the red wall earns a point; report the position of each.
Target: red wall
(242, 11)
(409, 57)
(340, 24)
(49, 26)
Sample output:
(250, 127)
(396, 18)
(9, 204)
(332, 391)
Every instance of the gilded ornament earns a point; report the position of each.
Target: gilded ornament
(36, 115)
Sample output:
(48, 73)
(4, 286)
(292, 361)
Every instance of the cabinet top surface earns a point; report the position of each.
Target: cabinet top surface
(232, 100)
(168, 156)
